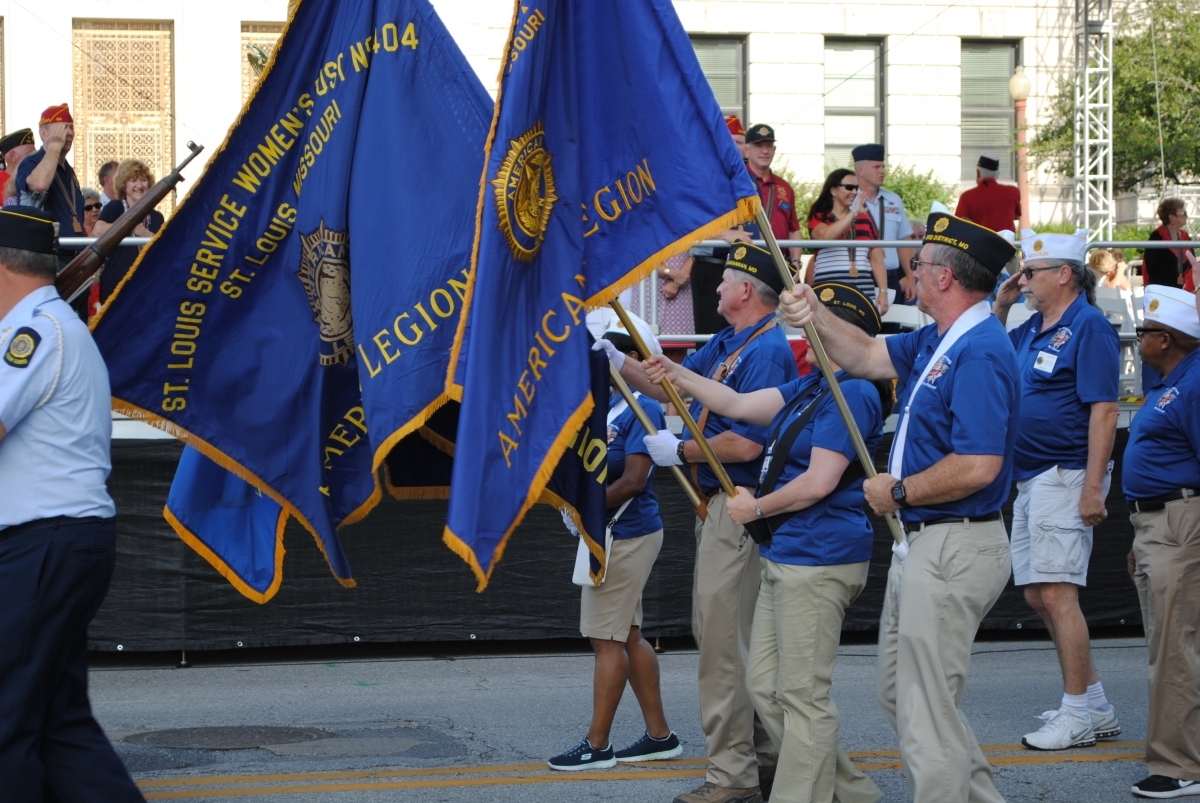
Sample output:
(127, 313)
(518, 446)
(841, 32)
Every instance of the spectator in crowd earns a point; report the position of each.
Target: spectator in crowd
(990, 203)
(675, 296)
(46, 180)
(13, 148)
(1067, 353)
(1123, 272)
(1168, 265)
(610, 615)
(738, 132)
(838, 214)
(777, 196)
(708, 263)
(132, 180)
(815, 547)
(92, 205)
(105, 176)
(1161, 480)
(891, 221)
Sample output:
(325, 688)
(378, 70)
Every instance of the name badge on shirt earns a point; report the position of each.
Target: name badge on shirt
(1045, 362)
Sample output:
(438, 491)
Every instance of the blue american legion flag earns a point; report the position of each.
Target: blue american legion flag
(608, 154)
(292, 321)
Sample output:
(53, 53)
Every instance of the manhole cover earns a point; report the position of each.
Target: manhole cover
(227, 738)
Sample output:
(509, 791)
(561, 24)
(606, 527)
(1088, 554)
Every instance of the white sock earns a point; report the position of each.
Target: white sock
(1095, 695)
(1075, 705)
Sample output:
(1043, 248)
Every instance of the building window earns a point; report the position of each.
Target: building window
(124, 93)
(853, 99)
(258, 43)
(724, 64)
(988, 116)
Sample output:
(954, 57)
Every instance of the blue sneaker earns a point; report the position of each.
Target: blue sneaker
(584, 757)
(648, 748)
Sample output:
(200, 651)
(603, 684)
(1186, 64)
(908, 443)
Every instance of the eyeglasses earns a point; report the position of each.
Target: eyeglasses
(90, 207)
(1140, 331)
(915, 263)
(1028, 272)
(853, 187)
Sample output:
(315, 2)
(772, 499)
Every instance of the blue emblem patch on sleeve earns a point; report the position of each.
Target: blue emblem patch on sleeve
(21, 347)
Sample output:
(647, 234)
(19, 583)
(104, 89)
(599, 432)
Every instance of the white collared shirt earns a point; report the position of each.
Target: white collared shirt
(57, 411)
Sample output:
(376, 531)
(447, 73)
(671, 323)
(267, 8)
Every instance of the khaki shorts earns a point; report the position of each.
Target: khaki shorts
(607, 612)
(1050, 542)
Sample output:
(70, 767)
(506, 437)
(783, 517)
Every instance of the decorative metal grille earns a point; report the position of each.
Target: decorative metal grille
(258, 41)
(124, 88)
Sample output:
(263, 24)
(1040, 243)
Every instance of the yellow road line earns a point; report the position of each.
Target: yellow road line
(524, 774)
(215, 780)
(511, 780)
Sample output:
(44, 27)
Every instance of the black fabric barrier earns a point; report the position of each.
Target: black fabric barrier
(412, 588)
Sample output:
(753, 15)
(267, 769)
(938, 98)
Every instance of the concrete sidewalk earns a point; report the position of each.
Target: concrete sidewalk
(466, 729)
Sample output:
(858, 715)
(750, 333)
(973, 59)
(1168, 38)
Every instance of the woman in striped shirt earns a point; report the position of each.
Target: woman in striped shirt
(838, 206)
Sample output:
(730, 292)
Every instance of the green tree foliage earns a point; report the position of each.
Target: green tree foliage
(918, 190)
(1172, 28)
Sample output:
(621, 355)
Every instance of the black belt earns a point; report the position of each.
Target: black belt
(916, 525)
(710, 494)
(45, 524)
(1158, 503)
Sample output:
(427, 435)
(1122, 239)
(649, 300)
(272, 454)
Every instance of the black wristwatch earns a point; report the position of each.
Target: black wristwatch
(899, 495)
(679, 451)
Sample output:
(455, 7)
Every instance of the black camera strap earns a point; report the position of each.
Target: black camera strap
(780, 447)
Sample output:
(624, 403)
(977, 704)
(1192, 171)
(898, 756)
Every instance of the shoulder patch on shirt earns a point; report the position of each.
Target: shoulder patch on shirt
(613, 432)
(21, 347)
(1060, 339)
(1169, 395)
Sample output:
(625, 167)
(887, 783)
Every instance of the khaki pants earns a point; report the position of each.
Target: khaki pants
(934, 604)
(793, 646)
(1166, 547)
(724, 590)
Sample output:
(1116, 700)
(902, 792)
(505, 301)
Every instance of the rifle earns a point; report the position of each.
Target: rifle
(84, 270)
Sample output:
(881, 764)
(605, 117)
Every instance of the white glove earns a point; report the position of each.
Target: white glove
(570, 522)
(900, 550)
(663, 448)
(615, 357)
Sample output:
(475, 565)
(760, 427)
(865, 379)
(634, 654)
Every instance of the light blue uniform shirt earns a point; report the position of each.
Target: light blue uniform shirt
(56, 409)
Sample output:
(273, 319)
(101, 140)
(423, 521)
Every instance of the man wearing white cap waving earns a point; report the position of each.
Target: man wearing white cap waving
(1068, 358)
(1161, 479)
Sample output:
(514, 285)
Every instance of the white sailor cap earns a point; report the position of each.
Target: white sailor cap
(615, 326)
(1173, 307)
(1054, 246)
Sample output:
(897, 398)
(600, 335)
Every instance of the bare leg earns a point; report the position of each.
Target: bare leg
(643, 677)
(1059, 609)
(608, 685)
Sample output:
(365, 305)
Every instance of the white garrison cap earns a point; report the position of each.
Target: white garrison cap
(643, 328)
(1173, 307)
(1054, 246)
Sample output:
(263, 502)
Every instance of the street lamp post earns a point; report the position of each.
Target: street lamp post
(1019, 87)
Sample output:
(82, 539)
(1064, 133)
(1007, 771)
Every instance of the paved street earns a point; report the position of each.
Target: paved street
(480, 728)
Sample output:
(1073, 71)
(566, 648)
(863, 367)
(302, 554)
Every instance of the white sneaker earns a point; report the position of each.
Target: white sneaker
(1105, 722)
(1061, 731)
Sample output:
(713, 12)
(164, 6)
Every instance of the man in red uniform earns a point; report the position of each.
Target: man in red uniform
(990, 203)
(778, 197)
(13, 148)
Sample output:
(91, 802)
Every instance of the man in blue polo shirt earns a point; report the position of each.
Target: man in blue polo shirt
(1068, 356)
(750, 354)
(1161, 479)
(948, 475)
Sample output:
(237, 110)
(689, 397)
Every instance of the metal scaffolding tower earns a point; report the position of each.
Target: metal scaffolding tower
(1094, 117)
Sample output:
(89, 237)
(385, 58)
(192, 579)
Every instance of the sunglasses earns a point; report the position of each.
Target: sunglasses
(851, 187)
(915, 264)
(1144, 330)
(1028, 272)
(90, 207)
